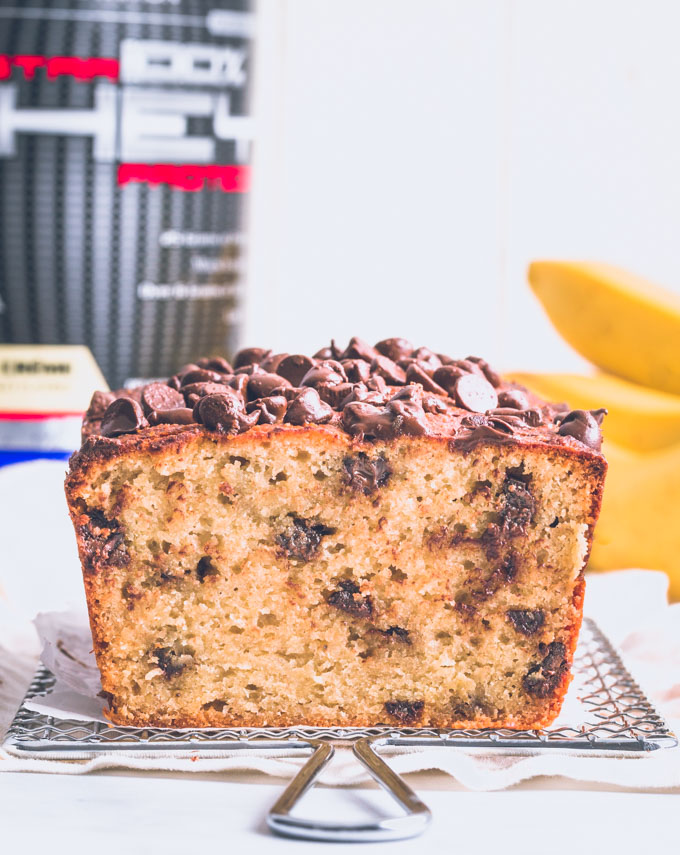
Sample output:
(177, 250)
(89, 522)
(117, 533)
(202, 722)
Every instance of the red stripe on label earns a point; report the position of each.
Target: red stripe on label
(82, 68)
(38, 417)
(186, 176)
(5, 67)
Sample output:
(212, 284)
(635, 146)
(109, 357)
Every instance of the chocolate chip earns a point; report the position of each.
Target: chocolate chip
(542, 679)
(447, 376)
(159, 396)
(308, 408)
(479, 428)
(202, 389)
(329, 371)
(250, 355)
(224, 413)
(215, 363)
(427, 358)
(170, 661)
(293, 368)
(465, 710)
(271, 363)
(359, 349)
(526, 621)
(479, 588)
(122, 416)
(290, 393)
(408, 415)
(397, 633)
(263, 385)
(487, 370)
(357, 370)
(348, 599)
(416, 374)
(405, 712)
(271, 409)
(469, 366)
(335, 395)
(362, 419)
(583, 425)
(332, 352)
(402, 415)
(360, 393)
(505, 419)
(475, 393)
(498, 578)
(250, 369)
(388, 370)
(201, 375)
(518, 507)
(195, 391)
(516, 513)
(99, 404)
(239, 382)
(376, 384)
(513, 399)
(301, 540)
(185, 369)
(364, 474)
(175, 416)
(103, 541)
(394, 348)
(206, 567)
(557, 410)
(531, 416)
(433, 405)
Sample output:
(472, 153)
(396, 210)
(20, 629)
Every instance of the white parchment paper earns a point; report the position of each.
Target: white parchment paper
(67, 652)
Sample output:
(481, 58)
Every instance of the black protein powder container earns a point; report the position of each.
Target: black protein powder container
(125, 141)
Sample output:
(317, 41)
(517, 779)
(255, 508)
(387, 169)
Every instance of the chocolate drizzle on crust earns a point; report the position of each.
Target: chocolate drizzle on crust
(379, 392)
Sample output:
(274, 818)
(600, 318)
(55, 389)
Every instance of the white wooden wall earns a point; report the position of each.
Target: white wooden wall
(415, 155)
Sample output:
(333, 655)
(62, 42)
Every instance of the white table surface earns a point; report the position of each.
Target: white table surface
(130, 813)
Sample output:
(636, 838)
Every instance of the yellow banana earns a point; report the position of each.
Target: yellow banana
(639, 418)
(638, 526)
(620, 322)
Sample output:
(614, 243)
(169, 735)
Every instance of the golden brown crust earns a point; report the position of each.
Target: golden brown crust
(97, 450)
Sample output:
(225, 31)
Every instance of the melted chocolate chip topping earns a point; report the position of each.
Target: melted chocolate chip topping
(122, 416)
(583, 425)
(375, 392)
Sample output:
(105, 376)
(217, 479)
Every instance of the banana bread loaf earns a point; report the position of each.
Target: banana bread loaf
(373, 535)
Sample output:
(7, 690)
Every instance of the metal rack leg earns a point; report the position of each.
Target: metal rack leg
(414, 823)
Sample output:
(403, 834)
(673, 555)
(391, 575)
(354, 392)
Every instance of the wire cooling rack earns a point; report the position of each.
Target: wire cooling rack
(611, 713)
(615, 713)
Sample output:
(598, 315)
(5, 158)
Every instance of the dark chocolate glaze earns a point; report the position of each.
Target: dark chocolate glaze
(371, 392)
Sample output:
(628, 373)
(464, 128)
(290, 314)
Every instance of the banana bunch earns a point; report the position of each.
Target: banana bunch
(630, 330)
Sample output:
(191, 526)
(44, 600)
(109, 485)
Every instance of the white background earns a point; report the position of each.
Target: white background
(415, 155)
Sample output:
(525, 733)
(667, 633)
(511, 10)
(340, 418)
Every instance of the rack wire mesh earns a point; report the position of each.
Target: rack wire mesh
(615, 715)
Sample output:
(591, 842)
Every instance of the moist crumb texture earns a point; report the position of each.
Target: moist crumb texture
(280, 574)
